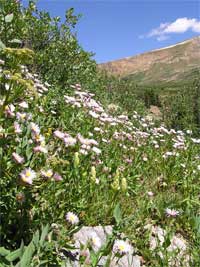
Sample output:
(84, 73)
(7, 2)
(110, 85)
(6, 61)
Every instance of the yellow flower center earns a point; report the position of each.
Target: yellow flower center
(23, 116)
(49, 173)
(37, 137)
(28, 173)
(71, 217)
(121, 247)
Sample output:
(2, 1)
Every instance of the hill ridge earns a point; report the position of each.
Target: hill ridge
(167, 63)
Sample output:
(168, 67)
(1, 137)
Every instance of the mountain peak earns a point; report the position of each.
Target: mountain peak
(164, 64)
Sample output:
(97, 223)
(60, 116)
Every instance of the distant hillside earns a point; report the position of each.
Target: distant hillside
(173, 63)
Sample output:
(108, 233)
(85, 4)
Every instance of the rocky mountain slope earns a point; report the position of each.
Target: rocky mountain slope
(177, 62)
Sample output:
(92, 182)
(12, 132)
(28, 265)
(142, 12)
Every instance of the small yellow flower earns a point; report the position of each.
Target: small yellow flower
(93, 174)
(27, 176)
(124, 184)
(76, 159)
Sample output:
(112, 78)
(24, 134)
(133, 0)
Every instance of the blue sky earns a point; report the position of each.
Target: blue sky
(115, 29)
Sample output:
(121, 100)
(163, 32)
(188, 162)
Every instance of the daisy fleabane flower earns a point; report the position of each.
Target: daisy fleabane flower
(172, 212)
(121, 247)
(69, 141)
(38, 138)
(27, 175)
(96, 150)
(57, 177)
(23, 104)
(95, 241)
(72, 218)
(35, 128)
(59, 134)
(17, 158)
(47, 174)
(41, 149)
(21, 116)
(9, 110)
(17, 128)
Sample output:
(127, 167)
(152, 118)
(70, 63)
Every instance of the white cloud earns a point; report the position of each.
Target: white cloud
(162, 37)
(180, 25)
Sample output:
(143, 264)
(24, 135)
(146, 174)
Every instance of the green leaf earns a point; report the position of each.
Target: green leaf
(44, 234)
(117, 213)
(35, 238)
(14, 255)
(8, 18)
(27, 256)
(29, 153)
(43, 262)
(2, 45)
(75, 230)
(4, 252)
(108, 261)
(93, 258)
(197, 224)
(69, 247)
(22, 247)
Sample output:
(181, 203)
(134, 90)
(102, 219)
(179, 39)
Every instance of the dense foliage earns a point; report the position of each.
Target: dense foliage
(179, 101)
(67, 160)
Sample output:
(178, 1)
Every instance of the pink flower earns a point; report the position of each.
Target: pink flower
(69, 141)
(172, 212)
(41, 149)
(59, 134)
(23, 104)
(9, 111)
(96, 150)
(57, 177)
(47, 174)
(21, 116)
(17, 128)
(35, 128)
(121, 247)
(38, 138)
(17, 158)
(27, 176)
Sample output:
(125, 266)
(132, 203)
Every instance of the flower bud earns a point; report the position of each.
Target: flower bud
(115, 184)
(124, 184)
(76, 159)
(93, 174)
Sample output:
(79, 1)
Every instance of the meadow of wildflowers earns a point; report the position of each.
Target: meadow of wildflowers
(67, 161)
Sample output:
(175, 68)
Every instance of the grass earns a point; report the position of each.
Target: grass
(113, 159)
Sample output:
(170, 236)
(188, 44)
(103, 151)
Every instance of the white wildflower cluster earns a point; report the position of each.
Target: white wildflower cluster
(40, 87)
(121, 247)
(27, 176)
(94, 241)
(72, 218)
(38, 139)
(65, 137)
(106, 130)
(172, 212)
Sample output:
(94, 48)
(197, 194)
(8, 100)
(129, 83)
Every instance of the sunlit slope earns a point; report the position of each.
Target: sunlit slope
(178, 62)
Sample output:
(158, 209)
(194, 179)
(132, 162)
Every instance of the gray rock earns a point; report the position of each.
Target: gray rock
(177, 250)
(82, 236)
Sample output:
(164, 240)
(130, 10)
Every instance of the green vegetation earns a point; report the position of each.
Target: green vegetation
(74, 155)
(179, 103)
